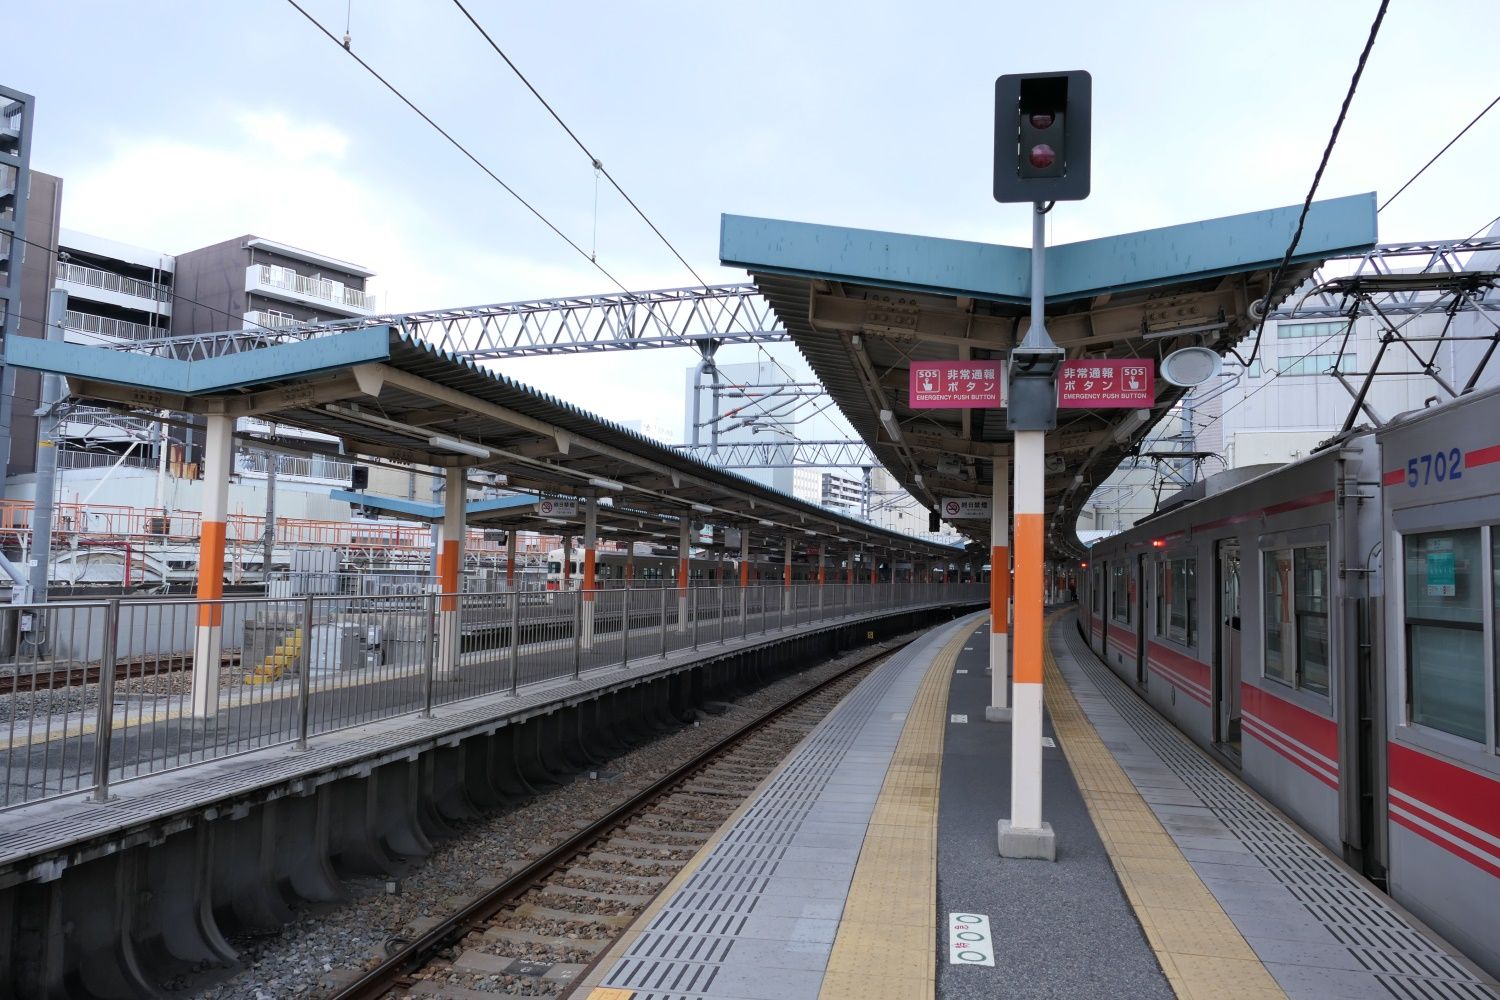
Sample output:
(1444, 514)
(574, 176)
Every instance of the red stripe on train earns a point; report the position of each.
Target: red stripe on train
(1273, 741)
(1465, 795)
(1317, 732)
(1482, 456)
(1482, 864)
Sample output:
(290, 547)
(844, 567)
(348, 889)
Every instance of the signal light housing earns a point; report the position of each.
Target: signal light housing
(1042, 124)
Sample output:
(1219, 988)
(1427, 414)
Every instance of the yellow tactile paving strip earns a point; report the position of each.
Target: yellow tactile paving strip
(885, 947)
(1201, 951)
(946, 658)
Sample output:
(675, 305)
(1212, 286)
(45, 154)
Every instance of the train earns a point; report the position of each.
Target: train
(1330, 629)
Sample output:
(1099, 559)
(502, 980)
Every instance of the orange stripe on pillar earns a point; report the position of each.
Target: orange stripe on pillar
(744, 572)
(682, 575)
(588, 574)
(211, 571)
(1029, 536)
(999, 588)
(448, 574)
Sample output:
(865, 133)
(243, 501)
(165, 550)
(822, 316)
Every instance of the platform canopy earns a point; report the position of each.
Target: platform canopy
(399, 401)
(862, 305)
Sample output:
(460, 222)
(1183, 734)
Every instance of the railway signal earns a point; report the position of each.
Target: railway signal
(1042, 125)
(1041, 156)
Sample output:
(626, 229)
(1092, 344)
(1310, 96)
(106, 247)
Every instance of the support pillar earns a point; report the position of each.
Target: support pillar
(510, 560)
(822, 576)
(590, 546)
(1033, 382)
(999, 706)
(684, 534)
(744, 573)
(786, 578)
(450, 559)
(209, 641)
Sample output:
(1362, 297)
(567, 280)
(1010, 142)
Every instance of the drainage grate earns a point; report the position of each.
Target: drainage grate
(1399, 958)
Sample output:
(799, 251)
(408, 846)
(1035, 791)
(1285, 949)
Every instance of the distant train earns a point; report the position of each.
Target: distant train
(1331, 630)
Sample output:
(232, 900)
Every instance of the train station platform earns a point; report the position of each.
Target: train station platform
(866, 866)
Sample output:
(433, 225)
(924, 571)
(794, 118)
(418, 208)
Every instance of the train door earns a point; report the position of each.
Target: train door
(1226, 674)
(1138, 584)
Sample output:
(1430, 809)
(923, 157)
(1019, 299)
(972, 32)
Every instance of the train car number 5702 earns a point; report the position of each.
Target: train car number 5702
(1435, 467)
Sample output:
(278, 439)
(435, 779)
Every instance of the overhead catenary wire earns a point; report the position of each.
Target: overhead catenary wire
(459, 146)
(597, 164)
(1333, 136)
(1474, 121)
(596, 161)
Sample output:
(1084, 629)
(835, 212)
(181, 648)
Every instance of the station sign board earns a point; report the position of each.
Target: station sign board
(557, 507)
(1128, 384)
(955, 508)
(956, 385)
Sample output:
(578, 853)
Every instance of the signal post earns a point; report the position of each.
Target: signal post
(1041, 157)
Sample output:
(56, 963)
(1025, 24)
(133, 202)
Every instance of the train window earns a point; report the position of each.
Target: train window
(1119, 593)
(1177, 600)
(1295, 613)
(1445, 631)
(1278, 613)
(1311, 570)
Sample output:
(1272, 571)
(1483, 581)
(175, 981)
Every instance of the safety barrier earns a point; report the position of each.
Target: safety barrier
(93, 693)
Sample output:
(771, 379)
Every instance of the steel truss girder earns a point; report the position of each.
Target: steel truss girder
(1333, 286)
(782, 455)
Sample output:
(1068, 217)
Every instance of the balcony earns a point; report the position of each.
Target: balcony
(270, 319)
(321, 293)
(96, 328)
(116, 289)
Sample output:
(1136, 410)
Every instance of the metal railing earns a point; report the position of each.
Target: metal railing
(95, 278)
(93, 693)
(117, 328)
(272, 276)
(303, 466)
(69, 458)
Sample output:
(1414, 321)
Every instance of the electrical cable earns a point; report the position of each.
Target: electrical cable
(598, 164)
(1439, 153)
(459, 146)
(1333, 136)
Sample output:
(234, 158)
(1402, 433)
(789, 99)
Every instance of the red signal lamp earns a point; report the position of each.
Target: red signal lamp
(1042, 156)
(1042, 119)
(1083, 565)
(1158, 543)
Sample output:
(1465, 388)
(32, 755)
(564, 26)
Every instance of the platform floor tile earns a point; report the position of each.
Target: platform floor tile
(772, 933)
(1309, 924)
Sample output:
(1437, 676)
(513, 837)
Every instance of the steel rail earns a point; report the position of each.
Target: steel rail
(393, 973)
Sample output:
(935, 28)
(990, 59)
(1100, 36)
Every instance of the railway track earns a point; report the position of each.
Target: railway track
(538, 930)
(74, 676)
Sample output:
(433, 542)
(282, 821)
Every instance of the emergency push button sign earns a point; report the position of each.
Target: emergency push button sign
(1129, 384)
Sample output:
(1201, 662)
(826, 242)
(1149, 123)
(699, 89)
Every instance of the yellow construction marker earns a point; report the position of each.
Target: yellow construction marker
(1201, 951)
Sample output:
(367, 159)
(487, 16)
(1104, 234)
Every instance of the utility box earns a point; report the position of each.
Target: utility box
(340, 646)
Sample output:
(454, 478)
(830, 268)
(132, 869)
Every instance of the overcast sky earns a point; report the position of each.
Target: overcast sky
(177, 124)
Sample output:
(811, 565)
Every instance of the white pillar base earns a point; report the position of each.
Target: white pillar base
(586, 638)
(208, 647)
(1037, 843)
(682, 614)
(999, 671)
(447, 646)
